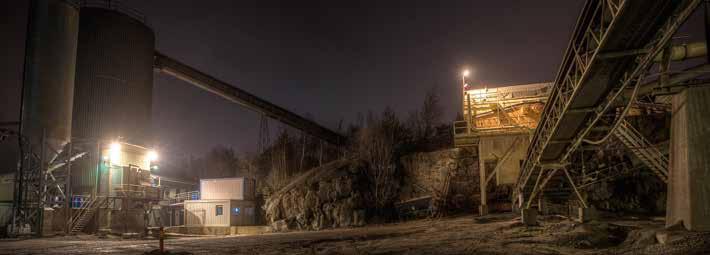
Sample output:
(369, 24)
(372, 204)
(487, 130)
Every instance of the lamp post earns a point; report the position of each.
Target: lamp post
(467, 102)
(463, 77)
(464, 73)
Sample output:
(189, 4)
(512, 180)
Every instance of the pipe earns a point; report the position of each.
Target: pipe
(678, 52)
(685, 51)
(683, 76)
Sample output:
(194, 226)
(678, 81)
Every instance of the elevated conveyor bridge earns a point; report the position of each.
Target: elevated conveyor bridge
(225, 90)
(613, 44)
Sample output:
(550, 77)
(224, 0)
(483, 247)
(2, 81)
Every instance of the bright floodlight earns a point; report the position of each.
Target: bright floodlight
(152, 156)
(465, 73)
(114, 152)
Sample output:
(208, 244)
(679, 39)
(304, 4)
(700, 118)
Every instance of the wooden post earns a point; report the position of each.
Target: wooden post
(162, 236)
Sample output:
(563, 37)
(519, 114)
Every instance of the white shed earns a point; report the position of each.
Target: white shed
(219, 213)
(239, 188)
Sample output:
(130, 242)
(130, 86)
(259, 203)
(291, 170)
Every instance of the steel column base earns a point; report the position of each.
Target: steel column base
(482, 210)
(529, 216)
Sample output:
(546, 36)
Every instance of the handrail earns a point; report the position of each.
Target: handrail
(182, 196)
(135, 190)
(85, 208)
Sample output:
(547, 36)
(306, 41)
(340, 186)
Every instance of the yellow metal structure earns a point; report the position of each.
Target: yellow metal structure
(499, 111)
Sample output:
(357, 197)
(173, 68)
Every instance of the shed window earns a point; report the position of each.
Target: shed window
(218, 210)
(237, 210)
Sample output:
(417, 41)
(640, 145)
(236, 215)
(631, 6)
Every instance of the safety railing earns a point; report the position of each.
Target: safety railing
(460, 128)
(136, 191)
(182, 196)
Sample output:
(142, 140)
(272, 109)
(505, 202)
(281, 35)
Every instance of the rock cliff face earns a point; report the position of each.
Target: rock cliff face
(336, 195)
(332, 198)
(449, 177)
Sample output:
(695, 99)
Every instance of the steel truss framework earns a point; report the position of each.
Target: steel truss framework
(42, 180)
(591, 34)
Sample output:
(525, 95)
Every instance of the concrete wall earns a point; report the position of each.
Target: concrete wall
(491, 151)
(7, 187)
(53, 222)
(131, 219)
(689, 182)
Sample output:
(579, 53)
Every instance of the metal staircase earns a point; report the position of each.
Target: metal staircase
(643, 149)
(85, 214)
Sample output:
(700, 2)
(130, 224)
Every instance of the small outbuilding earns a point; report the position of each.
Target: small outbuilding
(238, 188)
(223, 203)
(219, 213)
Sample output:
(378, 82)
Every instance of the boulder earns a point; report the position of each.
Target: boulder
(324, 190)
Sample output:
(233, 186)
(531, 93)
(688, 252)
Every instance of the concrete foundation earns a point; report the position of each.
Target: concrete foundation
(689, 180)
(529, 216)
(483, 210)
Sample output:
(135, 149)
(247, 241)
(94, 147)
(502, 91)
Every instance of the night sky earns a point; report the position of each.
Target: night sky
(331, 59)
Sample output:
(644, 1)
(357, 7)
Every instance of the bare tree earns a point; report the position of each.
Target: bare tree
(431, 112)
(219, 162)
(376, 146)
(280, 169)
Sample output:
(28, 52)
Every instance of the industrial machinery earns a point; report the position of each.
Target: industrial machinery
(45, 128)
(125, 193)
(88, 83)
(499, 111)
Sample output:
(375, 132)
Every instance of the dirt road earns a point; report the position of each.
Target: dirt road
(498, 234)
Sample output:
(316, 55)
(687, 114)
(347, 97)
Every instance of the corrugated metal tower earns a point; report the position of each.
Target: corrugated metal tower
(48, 84)
(114, 82)
(114, 77)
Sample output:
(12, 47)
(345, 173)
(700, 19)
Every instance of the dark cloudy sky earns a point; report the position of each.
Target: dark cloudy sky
(331, 59)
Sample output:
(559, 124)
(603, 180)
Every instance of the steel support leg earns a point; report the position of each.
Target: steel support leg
(574, 187)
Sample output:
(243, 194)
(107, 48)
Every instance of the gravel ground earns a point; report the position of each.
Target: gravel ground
(496, 234)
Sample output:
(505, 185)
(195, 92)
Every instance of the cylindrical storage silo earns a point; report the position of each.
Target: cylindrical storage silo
(50, 61)
(114, 84)
(47, 94)
(114, 77)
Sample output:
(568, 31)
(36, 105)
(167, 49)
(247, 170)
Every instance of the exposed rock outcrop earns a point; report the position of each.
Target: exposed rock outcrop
(448, 177)
(331, 197)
